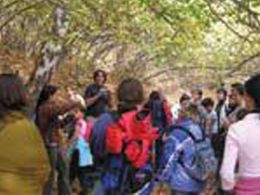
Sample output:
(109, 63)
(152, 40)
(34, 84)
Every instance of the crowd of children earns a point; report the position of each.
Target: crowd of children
(144, 146)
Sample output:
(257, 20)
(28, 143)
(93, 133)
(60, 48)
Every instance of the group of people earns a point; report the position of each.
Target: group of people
(140, 146)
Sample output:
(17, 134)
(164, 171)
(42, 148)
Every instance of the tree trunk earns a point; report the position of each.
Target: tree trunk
(52, 53)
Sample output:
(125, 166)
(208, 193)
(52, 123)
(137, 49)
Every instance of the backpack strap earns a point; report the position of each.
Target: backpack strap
(185, 130)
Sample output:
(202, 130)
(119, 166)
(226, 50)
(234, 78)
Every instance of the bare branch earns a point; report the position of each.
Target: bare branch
(239, 66)
(13, 16)
(176, 68)
(225, 23)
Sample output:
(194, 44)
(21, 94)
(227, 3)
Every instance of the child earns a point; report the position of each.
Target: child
(82, 162)
(211, 123)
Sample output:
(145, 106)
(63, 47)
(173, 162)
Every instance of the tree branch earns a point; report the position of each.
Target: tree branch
(18, 13)
(176, 68)
(239, 66)
(225, 23)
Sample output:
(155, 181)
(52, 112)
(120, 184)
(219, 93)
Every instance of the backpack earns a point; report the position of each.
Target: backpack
(204, 163)
(97, 137)
(131, 137)
(128, 144)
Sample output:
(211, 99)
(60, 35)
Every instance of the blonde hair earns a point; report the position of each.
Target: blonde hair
(162, 189)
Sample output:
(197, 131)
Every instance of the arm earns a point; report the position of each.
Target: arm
(62, 106)
(229, 162)
(91, 100)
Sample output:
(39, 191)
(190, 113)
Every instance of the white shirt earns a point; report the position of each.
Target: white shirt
(242, 146)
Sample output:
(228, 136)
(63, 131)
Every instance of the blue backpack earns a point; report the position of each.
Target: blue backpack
(98, 136)
(204, 162)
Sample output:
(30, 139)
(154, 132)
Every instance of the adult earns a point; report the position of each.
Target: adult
(221, 107)
(235, 104)
(242, 146)
(24, 165)
(49, 107)
(97, 96)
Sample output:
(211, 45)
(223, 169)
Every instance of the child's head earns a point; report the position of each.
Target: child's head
(208, 104)
(130, 94)
(193, 112)
(162, 189)
(196, 94)
(185, 101)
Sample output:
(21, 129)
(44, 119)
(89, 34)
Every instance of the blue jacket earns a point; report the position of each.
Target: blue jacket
(173, 171)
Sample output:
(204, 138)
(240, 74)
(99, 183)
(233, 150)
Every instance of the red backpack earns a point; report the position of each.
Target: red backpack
(131, 137)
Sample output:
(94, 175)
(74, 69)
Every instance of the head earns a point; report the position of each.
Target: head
(13, 94)
(193, 113)
(130, 94)
(208, 104)
(185, 101)
(155, 95)
(48, 91)
(196, 95)
(237, 93)
(100, 77)
(221, 95)
(252, 93)
(162, 189)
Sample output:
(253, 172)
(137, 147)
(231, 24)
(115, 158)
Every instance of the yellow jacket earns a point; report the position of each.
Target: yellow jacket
(24, 164)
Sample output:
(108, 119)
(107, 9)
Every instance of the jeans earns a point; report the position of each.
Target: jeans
(57, 163)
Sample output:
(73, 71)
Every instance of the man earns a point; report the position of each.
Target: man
(235, 104)
(97, 96)
(221, 107)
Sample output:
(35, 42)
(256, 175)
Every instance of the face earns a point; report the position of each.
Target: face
(100, 79)
(249, 102)
(221, 96)
(195, 96)
(231, 100)
(185, 104)
(237, 98)
(209, 108)
(194, 117)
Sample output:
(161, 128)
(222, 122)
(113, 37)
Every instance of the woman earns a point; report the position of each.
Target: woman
(24, 165)
(50, 106)
(97, 96)
(242, 147)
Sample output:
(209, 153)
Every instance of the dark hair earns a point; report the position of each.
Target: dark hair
(252, 88)
(223, 91)
(198, 91)
(97, 72)
(46, 93)
(13, 94)
(207, 102)
(130, 94)
(238, 87)
(155, 95)
(193, 109)
(184, 97)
